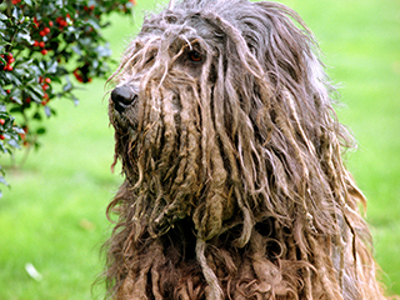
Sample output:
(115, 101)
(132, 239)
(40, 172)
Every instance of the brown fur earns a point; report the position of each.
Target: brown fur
(235, 186)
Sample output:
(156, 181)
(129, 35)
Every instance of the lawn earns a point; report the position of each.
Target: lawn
(54, 215)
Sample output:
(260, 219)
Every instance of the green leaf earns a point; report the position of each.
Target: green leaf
(36, 89)
(94, 24)
(42, 67)
(13, 143)
(2, 148)
(52, 68)
(68, 86)
(13, 79)
(19, 130)
(76, 100)
(47, 111)
(3, 181)
(77, 50)
(25, 36)
(15, 13)
(41, 130)
(37, 116)
(59, 3)
(36, 97)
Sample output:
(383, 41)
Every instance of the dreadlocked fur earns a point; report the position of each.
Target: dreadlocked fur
(235, 187)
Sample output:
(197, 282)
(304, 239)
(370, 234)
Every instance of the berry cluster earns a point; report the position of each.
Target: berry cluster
(45, 31)
(81, 74)
(2, 122)
(62, 22)
(9, 59)
(45, 83)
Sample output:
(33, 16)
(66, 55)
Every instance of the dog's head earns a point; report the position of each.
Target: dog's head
(222, 113)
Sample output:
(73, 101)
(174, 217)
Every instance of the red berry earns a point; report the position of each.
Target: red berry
(92, 7)
(2, 122)
(41, 44)
(2, 137)
(42, 33)
(36, 44)
(47, 80)
(8, 68)
(45, 87)
(36, 22)
(40, 79)
(15, 2)
(28, 100)
(64, 23)
(51, 23)
(44, 102)
(46, 30)
(45, 96)
(11, 60)
(8, 91)
(85, 8)
(77, 75)
(69, 16)
(10, 55)
(44, 51)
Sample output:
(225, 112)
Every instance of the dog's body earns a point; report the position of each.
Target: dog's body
(235, 187)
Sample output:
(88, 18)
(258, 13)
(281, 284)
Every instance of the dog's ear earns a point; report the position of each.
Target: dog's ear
(286, 42)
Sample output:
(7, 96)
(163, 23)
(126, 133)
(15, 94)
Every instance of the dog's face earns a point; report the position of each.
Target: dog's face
(159, 84)
(182, 57)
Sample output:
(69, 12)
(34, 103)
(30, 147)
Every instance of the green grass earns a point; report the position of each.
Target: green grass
(54, 215)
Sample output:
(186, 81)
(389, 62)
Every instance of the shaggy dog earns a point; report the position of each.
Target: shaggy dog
(235, 186)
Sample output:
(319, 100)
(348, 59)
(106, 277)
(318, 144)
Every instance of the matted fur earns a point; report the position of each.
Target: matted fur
(235, 187)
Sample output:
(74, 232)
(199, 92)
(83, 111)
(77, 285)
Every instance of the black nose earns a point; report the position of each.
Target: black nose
(122, 97)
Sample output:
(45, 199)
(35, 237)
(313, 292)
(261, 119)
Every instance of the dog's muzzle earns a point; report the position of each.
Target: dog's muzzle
(123, 97)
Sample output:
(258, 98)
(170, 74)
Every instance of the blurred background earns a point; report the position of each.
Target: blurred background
(53, 217)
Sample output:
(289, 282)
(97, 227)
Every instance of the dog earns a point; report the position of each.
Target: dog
(234, 183)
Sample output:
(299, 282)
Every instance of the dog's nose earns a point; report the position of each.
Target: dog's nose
(122, 97)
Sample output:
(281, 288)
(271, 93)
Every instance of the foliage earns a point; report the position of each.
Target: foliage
(42, 44)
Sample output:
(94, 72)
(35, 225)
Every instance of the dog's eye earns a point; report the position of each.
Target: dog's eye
(150, 59)
(195, 56)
